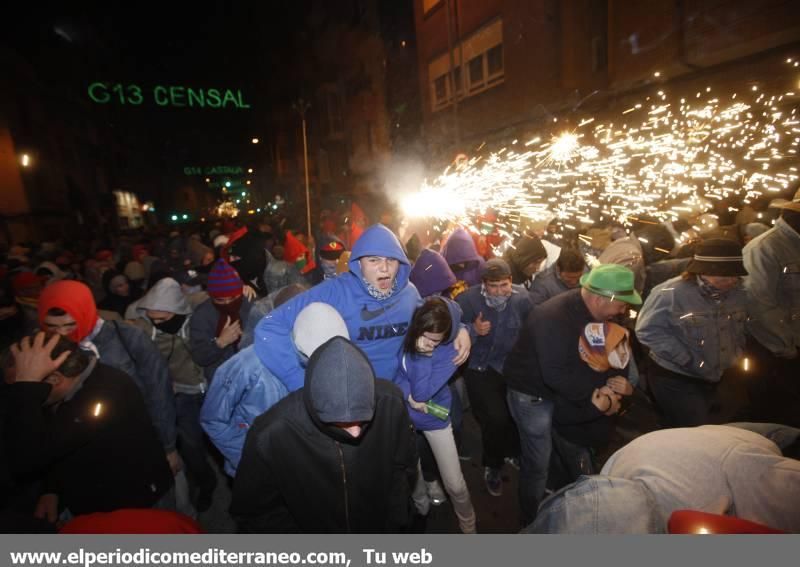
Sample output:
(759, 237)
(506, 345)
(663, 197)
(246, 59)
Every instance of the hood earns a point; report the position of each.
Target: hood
(295, 252)
(76, 299)
(460, 247)
(315, 325)
(455, 315)
(525, 251)
(599, 505)
(431, 274)
(339, 387)
(378, 240)
(166, 295)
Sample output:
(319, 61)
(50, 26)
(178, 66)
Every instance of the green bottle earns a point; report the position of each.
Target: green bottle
(436, 410)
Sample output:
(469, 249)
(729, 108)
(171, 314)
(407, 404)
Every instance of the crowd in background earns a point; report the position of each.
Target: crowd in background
(328, 374)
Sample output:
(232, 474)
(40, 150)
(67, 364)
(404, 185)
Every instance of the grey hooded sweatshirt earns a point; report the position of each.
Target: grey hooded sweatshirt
(166, 295)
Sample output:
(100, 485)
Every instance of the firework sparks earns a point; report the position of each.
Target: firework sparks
(663, 159)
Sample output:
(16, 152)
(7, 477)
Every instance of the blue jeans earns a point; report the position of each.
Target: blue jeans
(534, 418)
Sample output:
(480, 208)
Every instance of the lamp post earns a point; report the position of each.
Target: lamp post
(301, 107)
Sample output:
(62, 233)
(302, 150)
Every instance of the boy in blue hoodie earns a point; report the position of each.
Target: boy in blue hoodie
(375, 299)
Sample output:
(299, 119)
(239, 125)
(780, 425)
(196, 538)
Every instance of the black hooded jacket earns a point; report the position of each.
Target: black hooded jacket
(300, 474)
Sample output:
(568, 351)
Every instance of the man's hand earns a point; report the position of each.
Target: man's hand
(230, 333)
(32, 358)
(175, 462)
(47, 508)
(605, 400)
(620, 385)
(248, 292)
(463, 344)
(482, 328)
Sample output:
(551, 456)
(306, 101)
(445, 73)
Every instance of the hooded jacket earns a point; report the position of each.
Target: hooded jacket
(376, 326)
(525, 250)
(243, 388)
(425, 378)
(203, 331)
(627, 252)
(431, 273)
(459, 249)
(735, 469)
(122, 346)
(167, 296)
(299, 473)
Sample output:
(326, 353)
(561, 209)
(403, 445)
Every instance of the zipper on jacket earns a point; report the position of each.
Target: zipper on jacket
(344, 480)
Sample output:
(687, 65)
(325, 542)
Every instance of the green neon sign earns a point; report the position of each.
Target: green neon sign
(173, 96)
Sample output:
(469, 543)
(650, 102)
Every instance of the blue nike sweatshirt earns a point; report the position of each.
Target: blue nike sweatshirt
(376, 326)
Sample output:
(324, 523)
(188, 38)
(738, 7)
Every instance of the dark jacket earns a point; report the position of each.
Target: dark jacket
(300, 474)
(127, 348)
(490, 351)
(546, 285)
(203, 331)
(545, 362)
(98, 450)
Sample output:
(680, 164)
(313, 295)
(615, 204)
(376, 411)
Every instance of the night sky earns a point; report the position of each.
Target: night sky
(246, 46)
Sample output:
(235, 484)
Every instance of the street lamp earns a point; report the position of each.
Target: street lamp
(254, 140)
(25, 160)
(301, 107)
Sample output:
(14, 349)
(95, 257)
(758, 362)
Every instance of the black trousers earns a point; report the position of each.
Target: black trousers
(683, 401)
(487, 396)
(773, 387)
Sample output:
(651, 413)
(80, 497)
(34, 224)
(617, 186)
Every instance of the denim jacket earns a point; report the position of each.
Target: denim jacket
(491, 350)
(689, 333)
(242, 390)
(773, 263)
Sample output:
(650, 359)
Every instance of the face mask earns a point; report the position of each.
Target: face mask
(328, 269)
(230, 309)
(713, 292)
(171, 326)
(497, 302)
(620, 356)
(378, 294)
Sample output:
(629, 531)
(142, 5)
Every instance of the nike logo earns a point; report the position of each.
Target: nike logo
(367, 315)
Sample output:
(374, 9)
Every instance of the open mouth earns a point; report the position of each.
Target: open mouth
(384, 282)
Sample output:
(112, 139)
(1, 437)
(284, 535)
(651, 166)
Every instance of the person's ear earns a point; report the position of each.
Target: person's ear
(54, 379)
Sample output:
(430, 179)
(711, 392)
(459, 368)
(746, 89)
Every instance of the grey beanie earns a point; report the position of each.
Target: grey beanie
(341, 383)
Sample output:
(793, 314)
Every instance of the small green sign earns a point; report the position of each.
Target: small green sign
(215, 170)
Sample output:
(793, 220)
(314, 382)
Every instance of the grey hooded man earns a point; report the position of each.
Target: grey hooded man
(337, 456)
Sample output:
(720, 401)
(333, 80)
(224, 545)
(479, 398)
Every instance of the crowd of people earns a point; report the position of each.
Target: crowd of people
(328, 374)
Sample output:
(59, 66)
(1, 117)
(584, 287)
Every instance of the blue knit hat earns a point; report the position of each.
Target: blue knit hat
(223, 280)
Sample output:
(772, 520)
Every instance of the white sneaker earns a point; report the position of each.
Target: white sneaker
(436, 493)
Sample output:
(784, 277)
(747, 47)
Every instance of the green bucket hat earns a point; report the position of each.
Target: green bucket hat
(612, 280)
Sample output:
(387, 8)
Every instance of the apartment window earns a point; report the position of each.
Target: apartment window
(476, 72)
(440, 90)
(494, 61)
(482, 66)
(457, 80)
